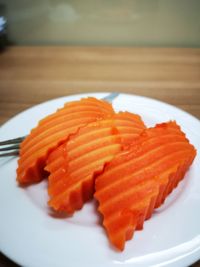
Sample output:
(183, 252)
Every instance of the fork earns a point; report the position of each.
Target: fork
(11, 147)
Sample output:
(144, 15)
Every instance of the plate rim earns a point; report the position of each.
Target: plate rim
(94, 93)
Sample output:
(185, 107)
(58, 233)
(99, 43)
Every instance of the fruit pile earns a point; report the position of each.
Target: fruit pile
(87, 150)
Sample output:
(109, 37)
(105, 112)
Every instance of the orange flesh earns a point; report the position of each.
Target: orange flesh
(139, 179)
(74, 165)
(54, 130)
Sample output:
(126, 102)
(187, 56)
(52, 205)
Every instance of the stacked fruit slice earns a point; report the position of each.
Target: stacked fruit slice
(74, 165)
(52, 131)
(140, 178)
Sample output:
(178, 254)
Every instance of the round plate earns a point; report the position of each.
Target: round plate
(31, 236)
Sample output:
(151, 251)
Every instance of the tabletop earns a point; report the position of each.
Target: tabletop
(31, 75)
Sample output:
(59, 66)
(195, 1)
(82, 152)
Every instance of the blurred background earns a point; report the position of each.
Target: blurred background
(106, 22)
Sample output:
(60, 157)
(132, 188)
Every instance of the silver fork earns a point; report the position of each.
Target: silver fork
(11, 147)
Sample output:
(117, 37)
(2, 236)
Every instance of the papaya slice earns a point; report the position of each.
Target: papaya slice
(74, 165)
(52, 131)
(139, 179)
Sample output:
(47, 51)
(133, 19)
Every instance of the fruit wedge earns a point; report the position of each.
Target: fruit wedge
(52, 131)
(139, 179)
(74, 165)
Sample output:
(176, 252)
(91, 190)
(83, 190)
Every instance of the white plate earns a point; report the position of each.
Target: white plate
(31, 236)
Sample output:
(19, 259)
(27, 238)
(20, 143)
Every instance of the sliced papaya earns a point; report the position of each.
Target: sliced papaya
(139, 179)
(74, 165)
(52, 131)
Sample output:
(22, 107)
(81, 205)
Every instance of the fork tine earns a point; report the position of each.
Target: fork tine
(9, 148)
(13, 153)
(12, 141)
(13, 146)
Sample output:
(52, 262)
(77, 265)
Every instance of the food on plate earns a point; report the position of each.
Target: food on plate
(86, 149)
(139, 179)
(52, 131)
(74, 165)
